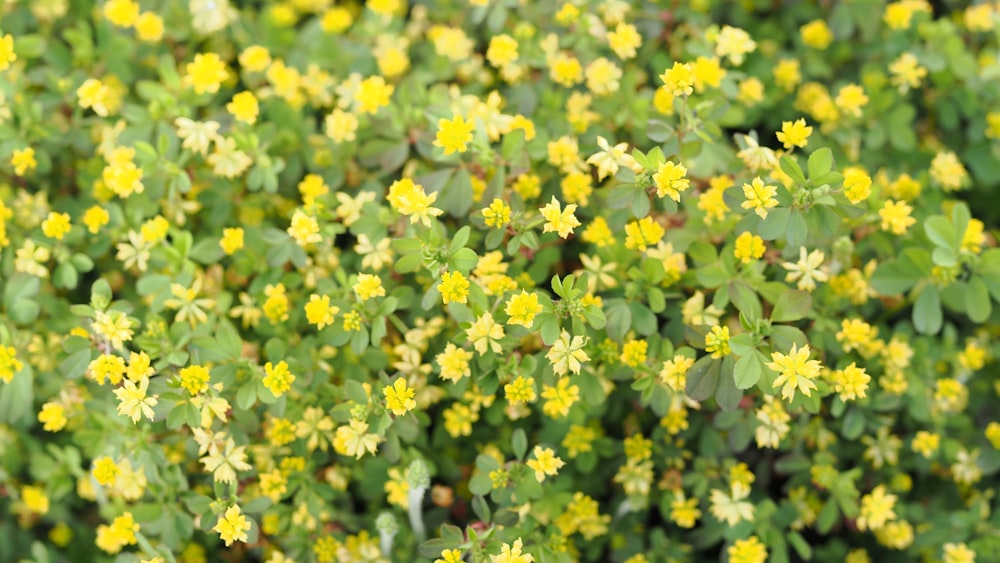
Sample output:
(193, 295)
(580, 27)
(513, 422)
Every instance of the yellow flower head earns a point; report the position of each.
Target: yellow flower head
(454, 135)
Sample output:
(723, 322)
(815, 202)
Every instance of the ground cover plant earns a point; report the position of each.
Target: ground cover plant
(499, 281)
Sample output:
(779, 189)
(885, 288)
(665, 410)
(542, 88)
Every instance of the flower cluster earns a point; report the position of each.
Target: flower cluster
(499, 281)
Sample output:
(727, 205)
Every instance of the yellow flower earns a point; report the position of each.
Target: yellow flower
(105, 471)
(567, 354)
(565, 70)
(372, 94)
(450, 556)
(368, 286)
(453, 287)
(336, 20)
(521, 390)
(851, 98)
(560, 398)
(643, 233)
(759, 197)
(319, 311)
(749, 550)
(304, 228)
(948, 171)
(341, 126)
(255, 58)
(926, 443)
(95, 217)
(522, 309)
(512, 554)
(907, 72)
(458, 420)
(497, 214)
(898, 15)
(816, 34)
(232, 240)
(717, 341)
(734, 43)
(707, 73)
(107, 366)
(959, 552)
(896, 217)
(120, 533)
(671, 180)
(624, 40)
(732, 508)
(454, 135)
(149, 27)
(232, 526)
(683, 511)
(502, 50)
(195, 379)
(244, 107)
(278, 378)
(748, 247)
(56, 225)
(410, 199)
(485, 333)
(35, 499)
(206, 73)
(7, 54)
(23, 160)
(679, 79)
(794, 134)
(796, 371)
(122, 13)
(857, 184)
(454, 362)
(634, 353)
(851, 382)
(559, 220)
(133, 402)
(544, 463)
(354, 439)
(399, 397)
(876, 509)
(807, 270)
(52, 416)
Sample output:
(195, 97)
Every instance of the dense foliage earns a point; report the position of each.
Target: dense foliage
(499, 281)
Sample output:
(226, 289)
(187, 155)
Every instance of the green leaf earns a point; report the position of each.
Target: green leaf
(463, 260)
(820, 162)
(703, 378)
(480, 484)
(100, 294)
(792, 168)
(748, 370)
(775, 224)
(800, 545)
(854, 424)
(506, 517)
(727, 394)
(960, 218)
(481, 508)
(16, 397)
(432, 548)
(519, 442)
(745, 299)
(977, 300)
(247, 395)
(941, 233)
(797, 229)
(927, 315)
(75, 365)
(356, 392)
(791, 306)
